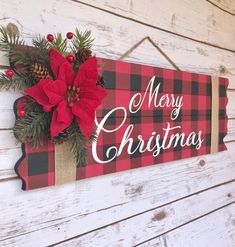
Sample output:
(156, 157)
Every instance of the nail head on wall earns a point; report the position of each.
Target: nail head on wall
(11, 27)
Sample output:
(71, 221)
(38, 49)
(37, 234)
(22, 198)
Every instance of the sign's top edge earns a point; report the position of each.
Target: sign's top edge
(144, 65)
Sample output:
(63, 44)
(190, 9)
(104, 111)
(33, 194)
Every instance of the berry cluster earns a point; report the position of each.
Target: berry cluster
(50, 37)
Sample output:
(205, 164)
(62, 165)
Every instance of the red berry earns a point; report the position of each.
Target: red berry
(9, 73)
(50, 37)
(69, 35)
(71, 58)
(21, 112)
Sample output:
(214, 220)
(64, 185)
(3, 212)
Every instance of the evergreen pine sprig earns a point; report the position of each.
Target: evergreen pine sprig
(14, 46)
(22, 56)
(32, 128)
(18, 82)
(60, 44)
(9, 39)
(43, 47)
(77, 144)
(10, 83)
(81, 40)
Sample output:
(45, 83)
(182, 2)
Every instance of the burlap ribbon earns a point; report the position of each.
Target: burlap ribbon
(65, 165)
(214, 114)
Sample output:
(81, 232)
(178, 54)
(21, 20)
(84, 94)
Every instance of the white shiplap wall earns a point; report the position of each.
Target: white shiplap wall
(184, 203)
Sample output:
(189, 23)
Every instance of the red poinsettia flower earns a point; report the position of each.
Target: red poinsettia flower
(74, 96)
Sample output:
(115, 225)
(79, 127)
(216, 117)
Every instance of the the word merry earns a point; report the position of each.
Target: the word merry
(153, 100)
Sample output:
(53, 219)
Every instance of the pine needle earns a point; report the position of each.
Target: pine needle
(60, 44)
(43, 47)
(81, 40)
(17, 82)
(9, 39)
(33, 128)
(78, 144)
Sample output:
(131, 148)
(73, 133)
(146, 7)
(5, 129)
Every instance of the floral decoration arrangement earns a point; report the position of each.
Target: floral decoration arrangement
(62, 88)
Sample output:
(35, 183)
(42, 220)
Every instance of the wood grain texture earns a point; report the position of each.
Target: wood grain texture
(231, 104)
(206, 21)
(231, 131)
(170, 202)
(115, 35)
(62, 212)
(166, 218)
(8, 158)
(216, 229)
(227, 5)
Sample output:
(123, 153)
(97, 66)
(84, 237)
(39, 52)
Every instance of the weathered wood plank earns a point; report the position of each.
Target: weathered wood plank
(140, 228)
(7, 116)
(216, 229)
(7, 140)
(158, 241)
(231, 131)
(205, 20)
(231, 104)
(115, 35)
(62, 212)
(227, 5)
(8, 158)
(231, 81)
(3, 60)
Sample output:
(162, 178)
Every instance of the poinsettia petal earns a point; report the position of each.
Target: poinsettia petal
(56, 60)
(94, 98)
(83, 110)
(56, 91)
(37, 93)
(100, 92)
(85, 116)
(66, 73)
(61, 119)
(88, 74)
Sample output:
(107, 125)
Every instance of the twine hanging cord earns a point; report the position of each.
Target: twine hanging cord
(128, 52)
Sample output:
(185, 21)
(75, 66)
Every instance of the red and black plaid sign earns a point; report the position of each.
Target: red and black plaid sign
(124, 80)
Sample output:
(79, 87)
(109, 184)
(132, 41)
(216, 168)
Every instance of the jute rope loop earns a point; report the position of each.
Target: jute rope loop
(128, 52)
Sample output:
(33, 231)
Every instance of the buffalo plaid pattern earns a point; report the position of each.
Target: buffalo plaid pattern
(122, 81)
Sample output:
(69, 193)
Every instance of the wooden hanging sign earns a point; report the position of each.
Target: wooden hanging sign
(150, 116)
